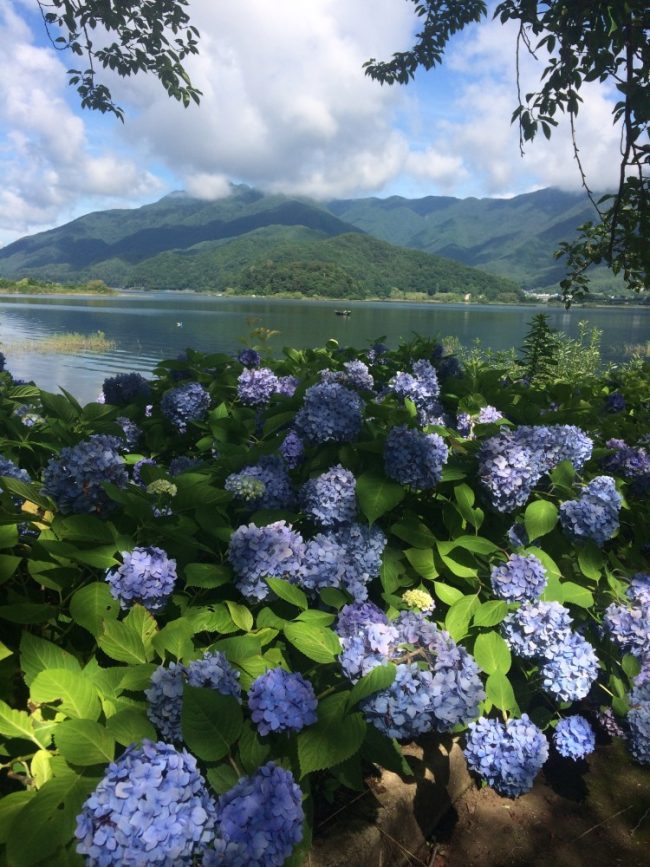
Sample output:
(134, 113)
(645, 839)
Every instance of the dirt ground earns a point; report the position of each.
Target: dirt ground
(595, 813)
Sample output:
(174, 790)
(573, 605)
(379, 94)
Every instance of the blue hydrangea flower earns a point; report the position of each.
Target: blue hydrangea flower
(256, 553)
(536, 628)
(74, 479)
(136, 472)
(488, 415)
(615, 402)
(330, 413)
(520, 578)
(594, 515)
(323, 564)
(507, 756)
(287, 385)
(282, 701)
(638, 720)
(185, 404)
(260, 821)
(165, 695)
(555, 443)
(404, 710)
(464, 424)
(132, 433)
(358, 376)
(273, 489)
(151, 807)
(330, 499)
(628, 626)
(146, 576)
(356, 615)
(508, 471)
(639, 589)
(414, 458)
(10, 469)
(375, 644)
(292, 450)
(347, 558)
(517, 535)
(574, 737)
(249, 358)
(125, 388)
(421, 387)
(256, 387)
(183, 464)
(633, 464)
(570, 672)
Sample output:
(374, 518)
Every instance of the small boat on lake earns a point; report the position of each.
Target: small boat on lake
(343, 312)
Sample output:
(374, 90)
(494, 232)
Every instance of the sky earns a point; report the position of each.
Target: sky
(286, 107)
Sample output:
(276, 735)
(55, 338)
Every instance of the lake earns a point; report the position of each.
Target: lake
(148, 327)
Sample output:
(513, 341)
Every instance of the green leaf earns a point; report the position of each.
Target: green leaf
(210, 618)
(490, 613)
(4, 651)
(122, 642)
(84, 742)
(17, 724)
(206, 575)
(222, 778)
(465, 498)
(317, 643)
(385, 752)
(37, 654)
(8, 566)
(175, 638)
(320, 618)
(239, 647)
(590, 561)
(540, 518)
(331, 740)
(10, 806)
(459, 616)
(414, 532)
(631, 665)
(8, 535)
(93, 604)
(289, 592)
(83, 528)
(577, 595)
(563, 474)
(26, 612)
(334, 598)
(253, 752)
(377, 495)
(379, 678)
(460, 562)
(130, 727)
(211, 722)
(47, 821)
(492, 653)
(475, 544)
(76, 693)
(30, 492)
(421, 559)
(499, 691)
(446, 593)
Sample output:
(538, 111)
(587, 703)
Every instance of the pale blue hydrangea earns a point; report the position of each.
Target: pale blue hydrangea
(574, 737)
(125, 388)
(347, 558)
(422, 388)
(146, 576)
(287, 385)
(151, 807)
(594, 516)
(184, 404)
(330, 413)
(520, 578)
(508, 471)
(358, 376)
(571, 671)
(330, 499)
(282, 701)
(75, 478)
(639, 589)
(536, 628)
(628, 626)
(323, 564)
(404, 710)
(260, 821)
(273, 488)
(375, 644)
(414, 458)
(256, 387)
(256, 553)
(555, 443)
(12, 470)
(488, 415)
(507, 756)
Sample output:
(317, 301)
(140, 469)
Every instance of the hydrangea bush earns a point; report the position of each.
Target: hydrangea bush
(229, 587)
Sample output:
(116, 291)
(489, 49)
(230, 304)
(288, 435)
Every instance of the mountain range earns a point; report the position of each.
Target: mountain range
(255, 242)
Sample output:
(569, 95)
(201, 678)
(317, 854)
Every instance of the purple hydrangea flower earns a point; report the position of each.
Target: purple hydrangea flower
(165, 695)
(574, 737)
(272, 490)
(507, 756)
(281, 701)
(185, 404)
(488, 415)
(556, 443)
(352, 618)
(639, 589)
(520, 578)
(125, 388)
(256, 387)
(287, 385)
(330, 413)
(536, 628)
(260, 821)
(256, 553)
(151, 807)
(146, 576)
(347, 558)
(74, 479)
(292, 450)
(609, 723)
(414, 458)
(570, 672)
(594, 515)
(633, 464)
(330, 499)
(249, 358)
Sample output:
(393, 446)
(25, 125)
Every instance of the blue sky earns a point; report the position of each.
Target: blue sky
(286, 108)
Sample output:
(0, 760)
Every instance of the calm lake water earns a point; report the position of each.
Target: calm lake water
(148, 327)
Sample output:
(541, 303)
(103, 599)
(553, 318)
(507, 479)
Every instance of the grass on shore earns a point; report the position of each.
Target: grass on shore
(66, 343)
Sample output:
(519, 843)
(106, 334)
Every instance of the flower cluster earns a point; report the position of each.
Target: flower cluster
(347, 558)
(629, 625)
(74, 479)
(256, 387)
(292, 450)
(633, 464)
(421, 387)
(486, 415)
(555, 443)
(185, 404)
(151, 807)
(330, 413)
(419, 599)
(249, 358)
(165, 695)
(10, 469)
(519, 578)
(615, 402)
(536, 628)
(287, 385)
(182, 464)
(136, 472)
(132, 433)
(265, 485)
(260, 821)
(352, 618)
(282, 701)
(404, 710)
(146, 576)
(507, 756)
(414, 458)
(574, 737)
(330, 499)
(358, 376)
(569, 673)
(595, 514)
(256, 553)
(125, 388)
